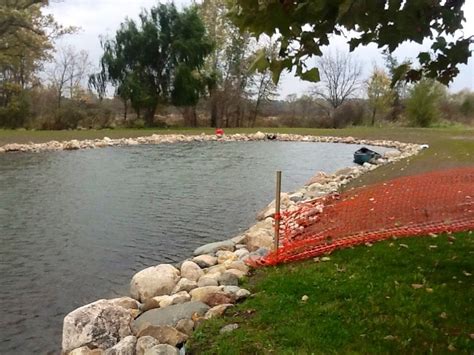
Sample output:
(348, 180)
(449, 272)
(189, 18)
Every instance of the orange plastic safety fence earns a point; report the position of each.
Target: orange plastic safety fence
(436, 202)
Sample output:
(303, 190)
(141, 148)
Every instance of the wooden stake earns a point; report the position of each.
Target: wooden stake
(277, 209)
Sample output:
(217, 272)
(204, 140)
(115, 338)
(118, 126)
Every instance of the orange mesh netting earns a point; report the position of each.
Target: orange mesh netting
(410, 206)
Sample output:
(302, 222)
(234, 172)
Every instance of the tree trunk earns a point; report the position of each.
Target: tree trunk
(149, 116)
(125, 110)
(190, 116)
(214, 110)
(373, 116)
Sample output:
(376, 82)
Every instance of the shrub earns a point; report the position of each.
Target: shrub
(422, 107)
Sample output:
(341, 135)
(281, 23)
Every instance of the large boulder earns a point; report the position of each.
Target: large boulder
(171, 315)
(260, 238)
(211, 248)
(154, 281)
(126, 346)
(191, 271)
(101, 324)
(164, 334)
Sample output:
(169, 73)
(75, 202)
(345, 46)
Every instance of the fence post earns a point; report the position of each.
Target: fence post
(277, 209)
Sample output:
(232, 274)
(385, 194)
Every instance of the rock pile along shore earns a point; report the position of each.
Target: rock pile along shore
(168, 301)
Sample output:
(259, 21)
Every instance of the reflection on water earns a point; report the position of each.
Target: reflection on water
(75, 226)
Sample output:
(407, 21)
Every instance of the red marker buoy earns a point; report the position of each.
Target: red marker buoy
(219, 132)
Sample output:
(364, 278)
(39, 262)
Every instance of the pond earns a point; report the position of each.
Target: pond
(75, 226)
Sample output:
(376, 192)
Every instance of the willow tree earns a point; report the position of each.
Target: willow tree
(147, 59)
(304, 26)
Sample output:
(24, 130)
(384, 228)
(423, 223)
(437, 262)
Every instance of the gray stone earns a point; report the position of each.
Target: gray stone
(126, 346)
(228, 279)
(172, 314)
(229, 328)
(100, 325)
(162, 349)
(213, 247)
(154, 281)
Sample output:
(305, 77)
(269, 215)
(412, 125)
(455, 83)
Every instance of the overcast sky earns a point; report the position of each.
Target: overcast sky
(102, 17)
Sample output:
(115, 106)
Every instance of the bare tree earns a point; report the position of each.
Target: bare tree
(340, 80)
(70, 68)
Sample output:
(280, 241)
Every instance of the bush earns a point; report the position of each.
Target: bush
(351, 113)
(423, 103)
(16, 113)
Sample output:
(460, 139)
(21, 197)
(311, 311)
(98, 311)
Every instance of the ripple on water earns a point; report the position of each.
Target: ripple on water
(75, 226)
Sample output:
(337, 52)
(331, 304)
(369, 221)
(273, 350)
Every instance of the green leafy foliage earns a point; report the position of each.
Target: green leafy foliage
(423, 103)
(148, 61)
(306, 25)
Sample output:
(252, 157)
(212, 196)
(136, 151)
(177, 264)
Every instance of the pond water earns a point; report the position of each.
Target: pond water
(75, 226)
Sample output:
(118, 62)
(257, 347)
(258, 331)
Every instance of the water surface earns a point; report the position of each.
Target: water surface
(75, 226)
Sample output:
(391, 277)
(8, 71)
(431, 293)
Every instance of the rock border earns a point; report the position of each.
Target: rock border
(168, 301)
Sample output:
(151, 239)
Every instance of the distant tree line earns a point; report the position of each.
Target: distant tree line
(195, 67)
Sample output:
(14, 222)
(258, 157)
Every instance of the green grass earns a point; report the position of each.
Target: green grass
(361, 301)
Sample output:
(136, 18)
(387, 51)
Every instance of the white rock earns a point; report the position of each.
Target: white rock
(205, 260)
(84, 350)
(224, 256)
(100, 324)
(162, 349)
(191, 271)
(209, 280)
(242, 294)
(239, 265)
(126, 346)
(154, 281)
(72, 145)
(392, 154)
(259, 239)
(217, 310)
(185, 285)
(259, 135)
(241, 253)
(238, 273)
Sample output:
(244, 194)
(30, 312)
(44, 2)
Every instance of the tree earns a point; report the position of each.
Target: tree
(265, 88)
(70, 68)
(423, 103)
(26, 42)
(227, 68)
(400, 87)
(305, 26)
(340, 80)
(146, 60)
(379, 93)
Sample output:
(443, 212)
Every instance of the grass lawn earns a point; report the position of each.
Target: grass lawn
(363, 300)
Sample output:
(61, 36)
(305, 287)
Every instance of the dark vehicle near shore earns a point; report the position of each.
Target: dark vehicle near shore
(365, 155)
